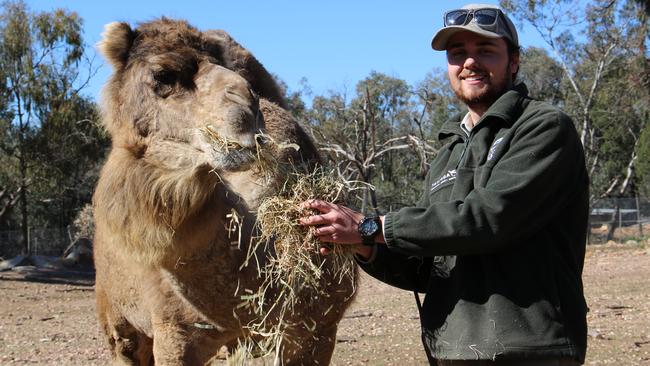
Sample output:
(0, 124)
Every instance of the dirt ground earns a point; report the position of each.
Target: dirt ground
(47, 318)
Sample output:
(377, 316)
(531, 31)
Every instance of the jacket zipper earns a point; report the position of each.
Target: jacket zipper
(465, 147)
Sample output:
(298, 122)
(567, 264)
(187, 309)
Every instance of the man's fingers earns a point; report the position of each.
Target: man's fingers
(320, 206)
(326, 238)
(324, 231)
(325, 251)
(319, 219)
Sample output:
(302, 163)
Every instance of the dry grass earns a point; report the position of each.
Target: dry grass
(83, 225)
(293, 269)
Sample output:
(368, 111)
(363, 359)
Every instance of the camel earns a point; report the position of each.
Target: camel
(170, 273)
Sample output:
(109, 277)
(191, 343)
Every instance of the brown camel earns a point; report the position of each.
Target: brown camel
(170, 269)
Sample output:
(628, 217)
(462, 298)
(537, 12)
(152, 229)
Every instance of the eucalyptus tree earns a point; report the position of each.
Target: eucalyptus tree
(44, 68)
(376, 137)
(601, 49)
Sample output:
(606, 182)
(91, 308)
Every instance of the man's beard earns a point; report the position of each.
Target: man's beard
(487, 96)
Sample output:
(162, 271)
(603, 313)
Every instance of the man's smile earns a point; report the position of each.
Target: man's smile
(474, 79)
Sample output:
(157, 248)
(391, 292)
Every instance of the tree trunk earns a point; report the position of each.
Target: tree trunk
(6, 209)
(638, 217)
(23, 206)
(613, 223)
(22, 167)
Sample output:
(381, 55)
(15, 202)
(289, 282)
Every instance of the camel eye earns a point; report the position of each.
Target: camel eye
(166, 77)
(165, 82)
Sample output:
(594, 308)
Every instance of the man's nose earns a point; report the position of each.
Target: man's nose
(470, 62)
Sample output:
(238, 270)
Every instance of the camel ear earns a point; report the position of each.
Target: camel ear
(116, 43)
(240, 60)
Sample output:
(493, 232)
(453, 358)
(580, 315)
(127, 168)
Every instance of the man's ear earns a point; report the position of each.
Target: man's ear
(116, 43)
(514, 63)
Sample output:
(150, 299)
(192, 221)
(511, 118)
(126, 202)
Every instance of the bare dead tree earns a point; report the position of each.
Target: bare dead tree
(359, 157)
(7, 201)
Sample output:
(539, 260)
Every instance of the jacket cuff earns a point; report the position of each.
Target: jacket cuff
(388, 229)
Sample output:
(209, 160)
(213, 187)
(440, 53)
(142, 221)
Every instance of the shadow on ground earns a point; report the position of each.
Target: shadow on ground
(78, 275)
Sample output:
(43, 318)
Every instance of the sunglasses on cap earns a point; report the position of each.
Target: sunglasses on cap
(486, 18)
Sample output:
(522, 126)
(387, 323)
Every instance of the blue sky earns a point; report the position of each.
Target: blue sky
(333, 44)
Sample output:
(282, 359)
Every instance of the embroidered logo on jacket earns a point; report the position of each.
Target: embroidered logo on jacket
(445, 178)
(493, 148)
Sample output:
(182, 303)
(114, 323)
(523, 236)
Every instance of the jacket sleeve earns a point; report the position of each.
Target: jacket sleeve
(399, 270)
(403, 271)
(530, 184)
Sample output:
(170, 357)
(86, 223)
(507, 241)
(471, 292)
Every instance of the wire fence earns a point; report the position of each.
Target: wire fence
(47, 241)
(618, 219)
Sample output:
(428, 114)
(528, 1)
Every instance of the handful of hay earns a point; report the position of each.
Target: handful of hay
(293, 271)
(295, 268)
(297, 263)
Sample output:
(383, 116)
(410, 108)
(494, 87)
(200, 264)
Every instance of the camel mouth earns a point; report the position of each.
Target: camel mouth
(239, 160)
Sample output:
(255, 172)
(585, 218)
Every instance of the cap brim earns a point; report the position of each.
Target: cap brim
(440, 39)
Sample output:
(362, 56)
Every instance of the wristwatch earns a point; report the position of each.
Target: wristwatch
(369, 227)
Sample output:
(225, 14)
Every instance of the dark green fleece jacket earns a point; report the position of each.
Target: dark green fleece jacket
(497, 240)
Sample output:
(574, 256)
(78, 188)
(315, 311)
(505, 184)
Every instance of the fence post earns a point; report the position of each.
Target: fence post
(620, 218)
(35, 239)
(638, 217)
(29, 241)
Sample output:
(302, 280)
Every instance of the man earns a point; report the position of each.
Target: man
(497, 240)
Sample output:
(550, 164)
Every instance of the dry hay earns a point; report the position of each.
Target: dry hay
(83, 225)
(293, 271)
(265, 164)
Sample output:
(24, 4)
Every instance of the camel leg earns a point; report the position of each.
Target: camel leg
(179, 344)
(128, 346)
(131, 347)
(304, 347)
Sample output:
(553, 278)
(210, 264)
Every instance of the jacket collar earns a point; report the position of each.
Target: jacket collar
(507, 109)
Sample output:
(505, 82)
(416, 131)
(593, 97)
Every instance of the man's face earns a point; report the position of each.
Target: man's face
(479, 68)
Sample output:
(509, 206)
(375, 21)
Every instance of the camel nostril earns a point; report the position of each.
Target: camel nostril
(259, 119)
(261, 139)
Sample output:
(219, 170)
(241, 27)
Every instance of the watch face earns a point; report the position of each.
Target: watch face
(368, 227)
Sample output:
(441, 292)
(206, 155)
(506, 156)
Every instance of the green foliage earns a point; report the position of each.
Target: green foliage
(373, 137)
(600, 48)
(439, 102)
(643, 160)
(294, 100)
(50, 142)
(542, 75)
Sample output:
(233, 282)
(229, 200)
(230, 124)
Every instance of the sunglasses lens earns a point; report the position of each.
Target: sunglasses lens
(485, 16)
(456, 17)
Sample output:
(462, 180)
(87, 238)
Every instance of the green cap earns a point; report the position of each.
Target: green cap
(503, 28)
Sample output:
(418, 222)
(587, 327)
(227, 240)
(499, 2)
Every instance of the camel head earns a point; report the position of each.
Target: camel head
(169, 79)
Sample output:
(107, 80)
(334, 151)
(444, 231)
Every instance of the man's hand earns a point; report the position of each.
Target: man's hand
(335, 224)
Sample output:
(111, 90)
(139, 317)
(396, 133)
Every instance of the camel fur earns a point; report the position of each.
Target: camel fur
(170, 274)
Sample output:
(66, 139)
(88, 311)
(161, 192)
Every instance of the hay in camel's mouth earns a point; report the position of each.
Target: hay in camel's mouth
(261, 158)
(293, 270)
(236, 157)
